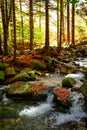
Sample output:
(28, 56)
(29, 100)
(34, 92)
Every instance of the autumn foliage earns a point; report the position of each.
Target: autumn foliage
(37, 88)
(62, 95)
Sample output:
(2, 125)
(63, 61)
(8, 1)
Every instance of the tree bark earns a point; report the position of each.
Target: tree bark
(73, 23)
(6, 13)
(47, 25)
(31, 25)
(58, 36)
(14, 26)
(68, 23)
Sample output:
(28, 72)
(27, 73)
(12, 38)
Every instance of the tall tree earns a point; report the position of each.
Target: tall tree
(22, 27)
(14, 26)
(6, 8)
(73, 22)
(61, 24)
(68, 22)
(31, 25)
(58, 36)
(47, 25)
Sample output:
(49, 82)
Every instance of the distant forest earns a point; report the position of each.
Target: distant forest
(31, 23)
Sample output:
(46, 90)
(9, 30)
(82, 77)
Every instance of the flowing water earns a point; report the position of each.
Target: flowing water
(44, 115)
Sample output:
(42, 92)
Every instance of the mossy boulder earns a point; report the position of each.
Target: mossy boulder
(2, 76)
(28, 91)
(24, 76)
(67, 69)
(10, 71)
(63, 70)
(7, 112)
(38, 66)
(18, 88)
(68, 82)
(3, 66)
(83, 89)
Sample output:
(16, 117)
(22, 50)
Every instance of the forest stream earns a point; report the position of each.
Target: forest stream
(45, 115)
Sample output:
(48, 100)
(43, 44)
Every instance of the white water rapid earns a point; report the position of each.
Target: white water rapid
(75, 112)
(41, 108)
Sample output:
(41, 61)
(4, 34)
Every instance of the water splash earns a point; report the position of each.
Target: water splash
(82, 62)
(41, 108)
(6, 100)
(75, 114)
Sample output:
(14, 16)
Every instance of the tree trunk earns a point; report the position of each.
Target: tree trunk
(47, 25)
(31, 25)
(14, 26)
(68, 23)
(61, 23)
(73, 23)
(6, 13)
(58, 36)
(22, 28)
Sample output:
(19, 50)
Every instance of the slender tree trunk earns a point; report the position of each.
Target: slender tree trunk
(63, 27)
(61, 23)
(47, 25)
(14, 26)
(58, 36)
(73, 23)
(68, 23)
(31, 25)
(40, 16)
(6, 13)
(22, 27)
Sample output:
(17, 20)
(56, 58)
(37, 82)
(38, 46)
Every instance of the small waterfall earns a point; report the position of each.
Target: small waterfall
(6, 100)
(41, 108)
(75, 114)
(82, 62)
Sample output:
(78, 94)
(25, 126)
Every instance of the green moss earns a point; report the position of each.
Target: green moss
(2, 78)
(7, 112)
(38, 66)
(68, 82)
(3, 66)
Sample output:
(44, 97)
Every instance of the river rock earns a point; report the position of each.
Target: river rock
(18, 88)
(83, 89)
(62, 96)
(24, 76)
(68, 82)
(28, 91)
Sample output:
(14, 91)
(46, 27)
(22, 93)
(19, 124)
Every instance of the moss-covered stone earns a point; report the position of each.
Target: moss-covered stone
(83, 89)
(28, 91)
(68, 82)
(10, 71)
(19, 87)
(63, 70)
(3, 66)
(7, 112)
(38, 66)
(24, 76)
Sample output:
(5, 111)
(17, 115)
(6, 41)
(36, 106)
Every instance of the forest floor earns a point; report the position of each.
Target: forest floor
(65, 55)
